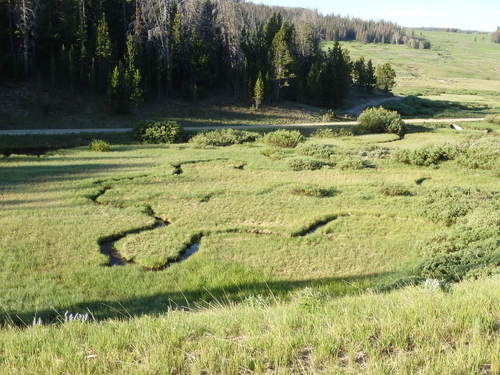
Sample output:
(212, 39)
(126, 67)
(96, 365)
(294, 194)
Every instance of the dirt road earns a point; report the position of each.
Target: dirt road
(243, 127)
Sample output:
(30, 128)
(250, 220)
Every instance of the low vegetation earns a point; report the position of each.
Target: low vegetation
(305, 164)
(493, 119)
(223, 137)
(159, 132)
(380, 120)
(284, 138)
(99, 145)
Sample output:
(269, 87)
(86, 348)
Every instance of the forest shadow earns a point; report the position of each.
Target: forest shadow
(413, 106)
(25, 174)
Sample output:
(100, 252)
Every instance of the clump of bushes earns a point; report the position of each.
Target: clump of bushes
(155, 132)
(470, 250)
(332, 133)
(376, 152)
(284, 138)
(427, 155)
(223, 137)
(329, 116)
(380, 120)
(483, 153)
(274, 153)
(313, 191)
(448, 204)
(395, 191)
(351, 163)
(316, 150)
(305, 164)
(99, 145)
(493, 119)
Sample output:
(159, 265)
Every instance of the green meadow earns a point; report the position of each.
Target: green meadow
(253, 258)
(460, 69)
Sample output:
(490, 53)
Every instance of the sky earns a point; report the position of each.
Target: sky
(482, 15)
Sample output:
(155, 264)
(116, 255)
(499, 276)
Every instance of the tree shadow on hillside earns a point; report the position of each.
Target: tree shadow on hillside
(413, 106)
(160, 303)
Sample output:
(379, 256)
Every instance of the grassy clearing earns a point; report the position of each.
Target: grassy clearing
(460, 68)
(282, 253)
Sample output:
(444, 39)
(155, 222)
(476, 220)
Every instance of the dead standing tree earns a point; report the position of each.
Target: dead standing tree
(230, 22)
(26, 23)
(157, 17)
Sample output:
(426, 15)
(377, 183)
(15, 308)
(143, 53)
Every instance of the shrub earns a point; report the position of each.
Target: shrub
(427, 155)
(99, 145)
(313, 191)
(493, 119)
(155, 132)
(399, 283)
(316, 150)
(471, 249)
(329, 116)
(223, 137)
(380, 120)
(376, 152)
(274, 153)
(351, 163)
(448, 204)
(332, 133)
(395, 191)
(305, 164)
(483, 153)
(284, 138)
(455, 266)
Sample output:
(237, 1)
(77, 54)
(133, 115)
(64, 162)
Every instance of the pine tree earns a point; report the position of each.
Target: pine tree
(258, 91)
(359, 73)
(103, 53)
(118, 98)
(371, 81)
(386, 77)
(282, 58)
(136, 92)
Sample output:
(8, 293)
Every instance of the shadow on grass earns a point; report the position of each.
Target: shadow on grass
(413, 106)
(16, 175)
(161, 303)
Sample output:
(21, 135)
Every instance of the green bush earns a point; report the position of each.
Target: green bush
(380, 120)
(332, 133)
(316, 150)
(427, 155)
(305, 164)
(274, 153)
(155, 132)
(284, 138)
(470, 250)
(313, 191)
(395, 191)
(375, 152)
(483, 153)
(352, 163)
(329, 116)
(99, 145)
(448, 204)
(223, 137)
(493, 119)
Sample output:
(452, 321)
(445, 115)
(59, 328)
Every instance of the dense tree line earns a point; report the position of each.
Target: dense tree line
(496, 36)
(132, 50)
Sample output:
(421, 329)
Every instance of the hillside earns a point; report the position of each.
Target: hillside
(460, 68)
